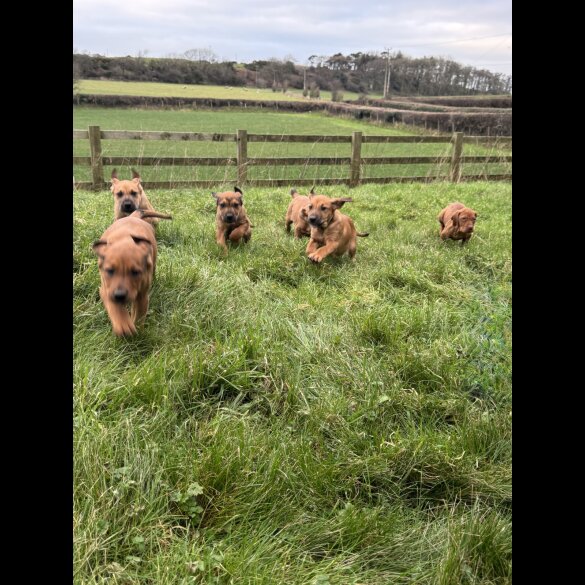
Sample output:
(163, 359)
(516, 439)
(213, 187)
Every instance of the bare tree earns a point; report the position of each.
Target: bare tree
(200, 54)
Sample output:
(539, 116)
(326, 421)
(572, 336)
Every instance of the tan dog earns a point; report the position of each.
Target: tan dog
(130, 196)
(231, 218)
(295, 214)
(457, 222)
(332, 233)
(127, 260)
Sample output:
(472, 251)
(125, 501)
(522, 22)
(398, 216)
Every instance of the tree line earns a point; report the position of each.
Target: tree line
(363, 73)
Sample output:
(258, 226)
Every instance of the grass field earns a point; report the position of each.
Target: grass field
(94, 86)
(260, 122)
(279, 422)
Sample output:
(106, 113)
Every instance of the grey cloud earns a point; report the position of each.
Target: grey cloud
(267, 29)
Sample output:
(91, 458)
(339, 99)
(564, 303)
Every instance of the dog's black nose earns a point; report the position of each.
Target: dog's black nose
(120, 295)
(312, 219)
(128, 206)
(229, 218)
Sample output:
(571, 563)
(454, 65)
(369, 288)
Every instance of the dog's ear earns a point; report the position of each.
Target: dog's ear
(475, 214)
(98, 247)
(114, 174)
(139, 241)
(135, 175)
(455, 218)
(303, 213)
(215, 196)
(337, 203)
(312, 191)
(238, 190)
(146, 245)
(293, 193)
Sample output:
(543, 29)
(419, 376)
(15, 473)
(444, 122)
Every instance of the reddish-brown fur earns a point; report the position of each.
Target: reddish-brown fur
(332, 233)
(457, 222)
(295, 215)
(127, 260)
(232, 221)
(130, 196)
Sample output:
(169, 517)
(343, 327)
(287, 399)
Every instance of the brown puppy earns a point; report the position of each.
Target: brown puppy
(331, 231)
(294, 214)
(127, 260)
(130, 196)
(231, 218)
(457, 222)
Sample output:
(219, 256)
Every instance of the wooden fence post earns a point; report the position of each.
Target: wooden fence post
(242, 139)
(455, 173)
(95, 148)
(356, 159)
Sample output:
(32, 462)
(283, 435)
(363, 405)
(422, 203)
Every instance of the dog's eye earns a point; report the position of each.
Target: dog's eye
(135, 272)
(310, 207)
(110, 271)
(133, 193)
(323, 208)
(222, 205)
(120, 193)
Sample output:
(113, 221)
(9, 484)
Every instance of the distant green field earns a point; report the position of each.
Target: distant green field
(260, 122)
(193, 91)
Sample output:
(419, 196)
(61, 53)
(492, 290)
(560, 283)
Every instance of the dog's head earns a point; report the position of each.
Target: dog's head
(127, 194)
(125, 265)
(230, 205)
(464, 220)
(321, 209)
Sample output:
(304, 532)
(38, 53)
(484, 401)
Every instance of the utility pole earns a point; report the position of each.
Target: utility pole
(387, 74)
(305, 79)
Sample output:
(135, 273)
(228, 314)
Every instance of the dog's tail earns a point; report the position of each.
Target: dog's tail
(363, 234)
(147, 213)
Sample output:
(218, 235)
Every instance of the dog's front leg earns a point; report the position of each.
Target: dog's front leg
(220, 238)
(322, 252)
(139, 308)
(299, 232)
(312, 246)
(242, 231)
(121, 322)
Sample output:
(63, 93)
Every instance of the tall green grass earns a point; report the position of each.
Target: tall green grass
(279, 422)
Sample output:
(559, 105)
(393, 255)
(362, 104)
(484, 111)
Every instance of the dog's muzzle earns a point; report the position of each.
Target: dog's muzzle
(229, 218)
(120, 295)
(314, 220)
(128, 206)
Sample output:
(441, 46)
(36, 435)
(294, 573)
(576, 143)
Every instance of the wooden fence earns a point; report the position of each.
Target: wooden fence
(96, 161)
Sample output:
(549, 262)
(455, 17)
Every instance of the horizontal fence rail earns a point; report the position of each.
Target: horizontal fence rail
(241, 161)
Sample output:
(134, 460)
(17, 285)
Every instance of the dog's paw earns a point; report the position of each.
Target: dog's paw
(124, 329)
(314, 257)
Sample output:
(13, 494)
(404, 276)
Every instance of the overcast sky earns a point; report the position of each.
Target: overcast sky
(472, 32)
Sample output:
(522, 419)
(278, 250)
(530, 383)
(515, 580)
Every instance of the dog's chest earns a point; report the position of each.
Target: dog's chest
(318, 236)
